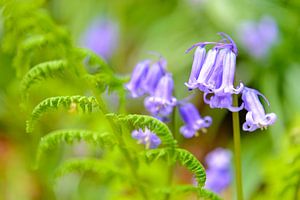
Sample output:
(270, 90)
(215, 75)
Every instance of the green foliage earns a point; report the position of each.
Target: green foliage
(53, 139)
(191, 163)
(144, 121)
(208, 195)
(42, 71)
(92, 59)
(83, 103)
(180, 189)
(41, 49)
(102, 76)
(184, 157)
(29, 50)
(98, 167)
(286, 184)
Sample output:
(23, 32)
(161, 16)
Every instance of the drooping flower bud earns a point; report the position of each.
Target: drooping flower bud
(138, 75)
(199, 57)
(155, 73)
(161, 103)
(256, 116)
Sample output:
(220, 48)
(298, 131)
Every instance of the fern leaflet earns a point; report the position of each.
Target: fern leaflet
(88, 164)
(53, 139)
(86, 104)
(184, 157)
(205, 194)
(42, 71)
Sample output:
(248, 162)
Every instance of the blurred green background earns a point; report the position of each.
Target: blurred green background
(270, 158)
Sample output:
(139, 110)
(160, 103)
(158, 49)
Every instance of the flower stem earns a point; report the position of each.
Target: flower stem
(237, 150)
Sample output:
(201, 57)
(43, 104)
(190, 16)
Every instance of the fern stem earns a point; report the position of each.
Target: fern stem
(237, 150)
(122, 102)
(118, 132)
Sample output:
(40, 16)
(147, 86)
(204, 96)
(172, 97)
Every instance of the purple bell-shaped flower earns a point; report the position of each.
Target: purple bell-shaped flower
(216, 75)
(218, 173)
(161, 103)
(138, 75)
(256, 116)
(199, 57)
(155, 73)
(259, 37)
(193, 120)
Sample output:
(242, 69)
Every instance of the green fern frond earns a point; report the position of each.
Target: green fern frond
(144, 121)
(53, 139)
(205, 194)
(103, 81)
(103, 76)
(191, 163)
(152, 155)
(30, 47)
(184, 157)
(208, 195)
(83, 103)
(42, 71)
(92, 59)
(98, 167)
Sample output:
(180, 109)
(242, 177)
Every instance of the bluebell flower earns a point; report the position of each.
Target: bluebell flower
(199, 57)
(138, 75)
(101, 37)
(193, 120)
(224, 101)
(258, 37)
(215, 75)
(256, 116)
(218, 173)
(161, 103)
(146, 137)
(156, 72)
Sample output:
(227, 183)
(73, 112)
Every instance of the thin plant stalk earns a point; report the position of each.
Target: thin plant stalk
(237, 150)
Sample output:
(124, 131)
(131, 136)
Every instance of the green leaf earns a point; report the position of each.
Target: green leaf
(40, 72)
(55, 138)
(83, 103)
(144, 121)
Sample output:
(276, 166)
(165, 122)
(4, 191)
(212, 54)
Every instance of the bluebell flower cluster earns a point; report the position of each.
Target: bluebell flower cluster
(213, 73)
(146, 137)
(258, 37)
(101, 37)
(218, 172)
(152, 79)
